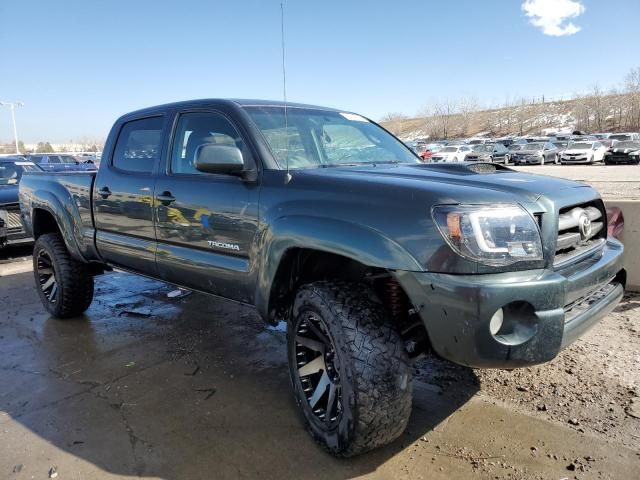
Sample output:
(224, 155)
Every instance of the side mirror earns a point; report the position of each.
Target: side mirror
(216, 158)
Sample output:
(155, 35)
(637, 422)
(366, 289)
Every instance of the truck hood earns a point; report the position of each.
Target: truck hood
(8, 194)
(443, 176)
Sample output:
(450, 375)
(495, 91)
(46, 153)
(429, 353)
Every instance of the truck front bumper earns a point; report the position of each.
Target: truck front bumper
(543, 311)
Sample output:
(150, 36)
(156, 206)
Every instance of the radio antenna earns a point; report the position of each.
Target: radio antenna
(284, 95)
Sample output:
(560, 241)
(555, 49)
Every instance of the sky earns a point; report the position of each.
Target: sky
(78, 65)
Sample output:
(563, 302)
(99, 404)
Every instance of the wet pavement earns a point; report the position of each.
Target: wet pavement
(197, 387)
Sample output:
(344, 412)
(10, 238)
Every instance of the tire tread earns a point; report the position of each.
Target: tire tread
(75, 281)
(379, 359)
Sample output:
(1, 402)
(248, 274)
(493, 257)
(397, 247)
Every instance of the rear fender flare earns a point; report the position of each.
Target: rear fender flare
(64, 214)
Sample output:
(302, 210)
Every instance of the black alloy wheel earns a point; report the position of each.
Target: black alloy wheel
(318, 368)
(47, 276)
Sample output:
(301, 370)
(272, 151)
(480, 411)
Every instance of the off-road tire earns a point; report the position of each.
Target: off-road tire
(374, 369)
(73, 278)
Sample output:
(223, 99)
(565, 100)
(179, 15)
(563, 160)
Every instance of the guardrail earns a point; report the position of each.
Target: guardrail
(631, 239)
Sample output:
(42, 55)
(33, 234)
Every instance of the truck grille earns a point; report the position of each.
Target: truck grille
(581, 228)
(576, 308)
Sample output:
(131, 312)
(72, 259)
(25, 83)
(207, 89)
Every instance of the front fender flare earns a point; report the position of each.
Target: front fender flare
(357, 242)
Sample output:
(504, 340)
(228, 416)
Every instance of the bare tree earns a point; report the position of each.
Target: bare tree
(632, 88)
(467, 107)
(597, 107)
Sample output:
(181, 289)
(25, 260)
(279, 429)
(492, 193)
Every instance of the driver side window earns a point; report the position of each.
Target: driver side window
(196, 129)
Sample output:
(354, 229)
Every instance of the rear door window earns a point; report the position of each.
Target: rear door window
(139, 145)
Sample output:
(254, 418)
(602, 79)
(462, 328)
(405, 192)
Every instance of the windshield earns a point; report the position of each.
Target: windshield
(620, 137)
(315, 138)
(10, 173)
(534, 146)
(561, 144)
(580, 146)
(67, 159)
(449, 149)
(515, 146)
(627, 145)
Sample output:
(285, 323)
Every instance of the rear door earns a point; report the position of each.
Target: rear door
(123, 195)
(206, 223)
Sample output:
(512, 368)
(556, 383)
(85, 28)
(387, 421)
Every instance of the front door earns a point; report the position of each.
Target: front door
(206, 223)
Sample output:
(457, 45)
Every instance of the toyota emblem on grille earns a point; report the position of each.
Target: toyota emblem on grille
(584, 224)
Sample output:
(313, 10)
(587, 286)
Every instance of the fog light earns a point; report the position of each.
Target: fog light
(514, 324)
(496, 322)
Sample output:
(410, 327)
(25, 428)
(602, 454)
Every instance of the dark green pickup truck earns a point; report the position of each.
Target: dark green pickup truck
(323, 219)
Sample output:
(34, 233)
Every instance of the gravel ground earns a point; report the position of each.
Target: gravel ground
(593, 386)
(621, 182)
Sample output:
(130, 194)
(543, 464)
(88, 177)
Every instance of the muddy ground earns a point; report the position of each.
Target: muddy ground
(194, 387)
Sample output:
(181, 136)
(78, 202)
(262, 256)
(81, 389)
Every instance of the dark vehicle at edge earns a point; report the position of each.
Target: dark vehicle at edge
(623, 152)
(11, 229)
(322, 219)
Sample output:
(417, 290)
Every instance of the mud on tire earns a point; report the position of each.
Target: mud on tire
(72, 279)
(372, 367)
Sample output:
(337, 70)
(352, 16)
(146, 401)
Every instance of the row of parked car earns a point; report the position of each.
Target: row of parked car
(610, 148)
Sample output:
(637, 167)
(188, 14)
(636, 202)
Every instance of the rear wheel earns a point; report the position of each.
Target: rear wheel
(542, 160)
(556, 160)
(65, 285)
(350, 373)
(506, 159)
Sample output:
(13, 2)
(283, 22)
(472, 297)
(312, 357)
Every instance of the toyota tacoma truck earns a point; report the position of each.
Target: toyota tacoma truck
(323, 219)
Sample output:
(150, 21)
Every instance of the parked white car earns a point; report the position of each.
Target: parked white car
(452, 153)
(583, 152)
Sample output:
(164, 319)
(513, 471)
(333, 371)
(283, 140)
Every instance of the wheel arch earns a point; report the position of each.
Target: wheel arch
(344, 246)
(45, 218)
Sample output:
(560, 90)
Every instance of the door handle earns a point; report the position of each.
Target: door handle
(165, 198)
(104, 192)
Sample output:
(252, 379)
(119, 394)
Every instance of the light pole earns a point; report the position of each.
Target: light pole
(12, 106)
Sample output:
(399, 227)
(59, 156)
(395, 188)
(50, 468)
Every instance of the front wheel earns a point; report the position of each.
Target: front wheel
(350, 373)
(506, 159)
(542, 160)
(556, 160)
(64, 284)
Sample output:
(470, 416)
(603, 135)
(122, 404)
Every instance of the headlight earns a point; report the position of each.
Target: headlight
(493, 235)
